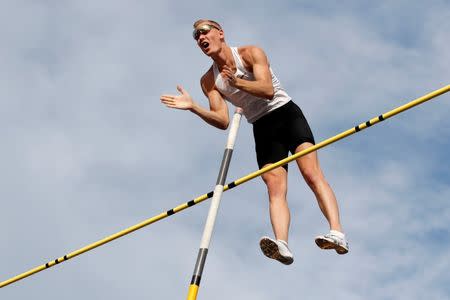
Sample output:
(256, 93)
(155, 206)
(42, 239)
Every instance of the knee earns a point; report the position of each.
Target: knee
(313, 177)
(270, 179)
(276, 183)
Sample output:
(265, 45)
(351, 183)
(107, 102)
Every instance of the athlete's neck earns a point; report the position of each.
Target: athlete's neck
(224, 57)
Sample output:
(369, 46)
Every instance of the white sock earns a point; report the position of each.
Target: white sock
(337, 233)
(284, 242)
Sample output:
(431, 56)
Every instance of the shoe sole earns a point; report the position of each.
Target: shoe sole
(326, 244)
(270, 249)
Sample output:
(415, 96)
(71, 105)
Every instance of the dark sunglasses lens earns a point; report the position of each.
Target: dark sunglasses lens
(198, 32)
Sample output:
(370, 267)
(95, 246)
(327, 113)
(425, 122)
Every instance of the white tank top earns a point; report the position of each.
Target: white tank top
(253, 107)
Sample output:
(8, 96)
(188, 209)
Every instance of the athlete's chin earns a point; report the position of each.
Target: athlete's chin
(209, 52)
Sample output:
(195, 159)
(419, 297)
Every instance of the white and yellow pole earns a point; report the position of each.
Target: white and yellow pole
(214, 208)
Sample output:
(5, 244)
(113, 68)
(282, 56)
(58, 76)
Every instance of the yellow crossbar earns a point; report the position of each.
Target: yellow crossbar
(231, 185)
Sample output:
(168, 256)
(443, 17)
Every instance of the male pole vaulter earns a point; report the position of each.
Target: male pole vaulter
(243, 76)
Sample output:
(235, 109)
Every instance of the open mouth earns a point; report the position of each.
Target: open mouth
(204, 45)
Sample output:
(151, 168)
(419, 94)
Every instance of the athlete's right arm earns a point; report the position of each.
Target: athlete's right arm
(217, 115)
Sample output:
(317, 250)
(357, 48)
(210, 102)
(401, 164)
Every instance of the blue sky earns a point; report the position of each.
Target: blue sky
(88, 149)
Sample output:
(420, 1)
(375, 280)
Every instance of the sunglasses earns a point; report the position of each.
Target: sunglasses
(204, 29)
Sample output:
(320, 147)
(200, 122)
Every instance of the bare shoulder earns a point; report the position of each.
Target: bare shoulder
(250, 49)
(251, 53)
(207, 80)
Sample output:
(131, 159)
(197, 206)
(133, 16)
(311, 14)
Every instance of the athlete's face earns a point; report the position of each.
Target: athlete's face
(209, 38)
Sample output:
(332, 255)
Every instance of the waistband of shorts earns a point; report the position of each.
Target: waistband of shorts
(274, 113)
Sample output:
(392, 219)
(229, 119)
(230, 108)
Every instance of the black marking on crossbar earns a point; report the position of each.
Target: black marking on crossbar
(191, 203)
(170, 212)
(210, 194)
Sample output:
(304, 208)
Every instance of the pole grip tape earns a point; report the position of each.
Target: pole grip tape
(199, 265)
(224, 166)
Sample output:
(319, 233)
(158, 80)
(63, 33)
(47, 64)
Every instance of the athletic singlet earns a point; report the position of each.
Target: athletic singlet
(253, 107)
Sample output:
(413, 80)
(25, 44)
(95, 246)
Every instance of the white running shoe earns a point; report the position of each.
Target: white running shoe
(276, 249)
(333, 240)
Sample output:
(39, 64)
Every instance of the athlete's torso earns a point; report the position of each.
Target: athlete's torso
(253, 107)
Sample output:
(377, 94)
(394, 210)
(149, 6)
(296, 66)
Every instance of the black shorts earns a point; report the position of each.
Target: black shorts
(279, 132)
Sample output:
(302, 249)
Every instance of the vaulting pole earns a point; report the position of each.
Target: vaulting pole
(231, 185)
(213, 209)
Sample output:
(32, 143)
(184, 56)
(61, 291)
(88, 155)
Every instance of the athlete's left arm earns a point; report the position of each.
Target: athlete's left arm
(262, 85)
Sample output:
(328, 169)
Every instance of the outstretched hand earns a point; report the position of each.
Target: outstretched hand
(183, 101)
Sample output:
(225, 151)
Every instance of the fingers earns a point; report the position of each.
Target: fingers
(167, 97)
(176, 101)
(168, 104)
(171, 104)
(168, 100)
(226, 76)
(227, 73)
(181, 89)
(227, 68)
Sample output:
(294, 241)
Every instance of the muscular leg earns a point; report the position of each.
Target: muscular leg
(310, 169)
(276, 182)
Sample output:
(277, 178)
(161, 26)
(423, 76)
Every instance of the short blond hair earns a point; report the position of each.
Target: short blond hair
(196, 23)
